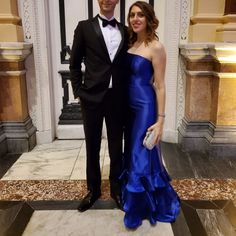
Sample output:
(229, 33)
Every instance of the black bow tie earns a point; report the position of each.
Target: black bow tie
(108, 22)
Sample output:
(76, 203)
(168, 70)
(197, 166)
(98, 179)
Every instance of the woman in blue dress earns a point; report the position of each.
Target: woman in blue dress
(146, 192)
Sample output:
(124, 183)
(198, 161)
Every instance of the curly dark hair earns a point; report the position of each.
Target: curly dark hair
(152, 22)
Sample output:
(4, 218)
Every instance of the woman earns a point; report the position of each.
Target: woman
(146, 192)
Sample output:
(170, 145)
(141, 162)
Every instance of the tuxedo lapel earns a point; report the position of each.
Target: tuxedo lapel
(122, 39)
(98, 31)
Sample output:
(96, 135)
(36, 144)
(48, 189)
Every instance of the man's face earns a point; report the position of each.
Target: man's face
(107, 6)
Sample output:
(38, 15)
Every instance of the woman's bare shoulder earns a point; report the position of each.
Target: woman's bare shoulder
(157, 50)
(157, 46)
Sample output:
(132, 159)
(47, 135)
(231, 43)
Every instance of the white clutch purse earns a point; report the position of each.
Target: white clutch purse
(149, 140)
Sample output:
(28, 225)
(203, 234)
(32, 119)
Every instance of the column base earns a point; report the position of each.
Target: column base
(205, 137)
(3, 142)
(20, 136)
(223, 143)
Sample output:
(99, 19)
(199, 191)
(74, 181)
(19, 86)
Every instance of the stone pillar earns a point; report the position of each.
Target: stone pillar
(17, 133)
(227, 32)
(16, 123)
(209, 123)
(209, 65)
(206, 19)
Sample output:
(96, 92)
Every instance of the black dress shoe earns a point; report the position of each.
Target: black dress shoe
(88, 201)
(118, 201)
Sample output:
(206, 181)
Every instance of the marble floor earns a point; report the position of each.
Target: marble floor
(40, 192)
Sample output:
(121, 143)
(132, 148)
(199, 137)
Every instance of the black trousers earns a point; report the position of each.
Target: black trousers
(110, 109)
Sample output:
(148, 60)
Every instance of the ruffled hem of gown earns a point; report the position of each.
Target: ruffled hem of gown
(148, 197)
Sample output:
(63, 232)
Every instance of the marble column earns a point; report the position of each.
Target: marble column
(17, 126)
(209, 66)
(17, 133)
(209, 123)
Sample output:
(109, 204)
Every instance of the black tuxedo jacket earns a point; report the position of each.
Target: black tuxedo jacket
(89, 47)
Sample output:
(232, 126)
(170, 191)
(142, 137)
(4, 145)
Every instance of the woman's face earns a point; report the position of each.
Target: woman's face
(137, 20)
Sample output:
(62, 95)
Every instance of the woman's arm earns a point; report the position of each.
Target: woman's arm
(159, 66)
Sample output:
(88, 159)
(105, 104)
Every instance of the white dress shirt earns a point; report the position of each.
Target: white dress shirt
(112, 37)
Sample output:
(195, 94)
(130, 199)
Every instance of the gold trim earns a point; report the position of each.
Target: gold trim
(229, 18)
(13, 58)
(8, 18)
(211, 73)
(12, 73)
(15, 48)
(201, 18)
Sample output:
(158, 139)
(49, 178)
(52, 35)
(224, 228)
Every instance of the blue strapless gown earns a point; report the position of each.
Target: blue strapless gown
(146, 191)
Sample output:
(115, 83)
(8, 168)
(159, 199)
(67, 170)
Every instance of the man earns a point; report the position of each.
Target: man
(101, 43)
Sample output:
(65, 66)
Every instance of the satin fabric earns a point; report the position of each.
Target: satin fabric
(146, 191)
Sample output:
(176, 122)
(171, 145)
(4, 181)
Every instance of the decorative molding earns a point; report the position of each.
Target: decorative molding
(223, 52)
(26, 9)
(181, 92)
(207, 19)
(226, 75)
(184, 20)
(217, 141)
(229, 18)
(35, 23)
(14, 51)
(26, 14)
(181, 78)
(12, 73)
(26, 20)
(20, 136)
(10, 19)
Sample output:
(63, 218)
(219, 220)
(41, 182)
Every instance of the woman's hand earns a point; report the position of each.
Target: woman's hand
(158, 129)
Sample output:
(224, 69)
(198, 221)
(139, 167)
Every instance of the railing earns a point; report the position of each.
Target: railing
(71, 111)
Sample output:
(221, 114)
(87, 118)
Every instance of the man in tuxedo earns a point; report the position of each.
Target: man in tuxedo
(101, 44)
